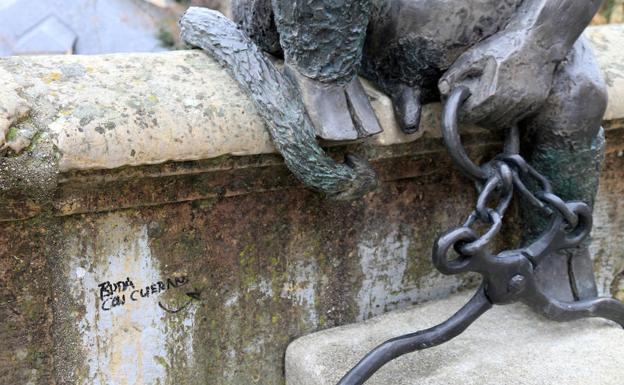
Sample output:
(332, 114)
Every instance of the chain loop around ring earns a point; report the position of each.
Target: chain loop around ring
(481, 243)
(560, 206)
(448, 241)
(529, 196)
(501, 183)
(490, 188)
(526, 169)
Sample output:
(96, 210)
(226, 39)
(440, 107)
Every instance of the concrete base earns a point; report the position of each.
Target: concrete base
(509, 345)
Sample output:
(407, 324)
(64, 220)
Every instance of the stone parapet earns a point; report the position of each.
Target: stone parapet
(150, 232)
(111, 111)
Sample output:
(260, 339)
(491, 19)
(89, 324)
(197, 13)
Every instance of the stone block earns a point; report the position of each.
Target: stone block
(509, 345)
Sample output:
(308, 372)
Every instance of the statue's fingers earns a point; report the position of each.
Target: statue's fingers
(487, 98)
(362, 112)
(464, 68)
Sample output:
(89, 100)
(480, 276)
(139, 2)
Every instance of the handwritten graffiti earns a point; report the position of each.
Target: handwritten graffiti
(108, 289)
(115, 294)
(193, 296)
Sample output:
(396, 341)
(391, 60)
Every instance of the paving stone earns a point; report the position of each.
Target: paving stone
(509, 345)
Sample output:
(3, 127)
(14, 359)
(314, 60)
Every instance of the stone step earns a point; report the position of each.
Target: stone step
(509, 345)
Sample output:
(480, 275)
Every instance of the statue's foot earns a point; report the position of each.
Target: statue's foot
(407, 107)
(568, 275)
(582, 278)
(338, 111)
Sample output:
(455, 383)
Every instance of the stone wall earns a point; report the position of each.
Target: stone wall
(151, 236)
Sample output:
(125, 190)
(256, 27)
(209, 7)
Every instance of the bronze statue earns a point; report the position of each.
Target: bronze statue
(522, 65)
(523, 61)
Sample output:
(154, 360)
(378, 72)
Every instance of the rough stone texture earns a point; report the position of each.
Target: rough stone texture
(608, 233)
(603, 39)
(26, 352)
(509, 345)
(112, 111)
(270, 266)
(126, 110)
(271, 260)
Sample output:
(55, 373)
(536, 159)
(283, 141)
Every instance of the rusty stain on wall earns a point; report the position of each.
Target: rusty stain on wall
(264, 260)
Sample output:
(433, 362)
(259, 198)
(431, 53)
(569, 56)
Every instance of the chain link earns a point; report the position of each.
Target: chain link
(510, 275)
(498, 190)
(496, 182)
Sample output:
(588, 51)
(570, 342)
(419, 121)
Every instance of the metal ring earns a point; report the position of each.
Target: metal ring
(490, 187)
(504, 203)
(506, 177)
(527, 194)
(450, 132)
(502, 181)
(553, 200)
(472, 218)
(479, 244)
(443, 245)
(516, 160)
(584, 224)
(512, 141)
(526, 169)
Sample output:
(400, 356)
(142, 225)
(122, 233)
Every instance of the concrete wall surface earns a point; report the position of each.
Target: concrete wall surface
(150, 234)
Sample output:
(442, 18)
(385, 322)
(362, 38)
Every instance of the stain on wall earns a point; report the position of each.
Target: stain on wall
(262, 269)
(200, 273)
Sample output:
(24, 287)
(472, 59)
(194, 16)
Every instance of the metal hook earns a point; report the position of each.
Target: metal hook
(423, 339)
(450, 132)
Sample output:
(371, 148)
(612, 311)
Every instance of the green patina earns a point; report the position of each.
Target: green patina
(12, 134)
(572, 173)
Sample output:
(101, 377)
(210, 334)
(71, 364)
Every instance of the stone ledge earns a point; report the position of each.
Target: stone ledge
(111, 111)
(108, 132)
(509, 345)
(608, 41)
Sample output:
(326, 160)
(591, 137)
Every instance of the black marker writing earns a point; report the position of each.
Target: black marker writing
(117, 293)
(108, 289)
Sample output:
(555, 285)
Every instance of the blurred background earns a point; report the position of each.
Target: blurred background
(106, 26)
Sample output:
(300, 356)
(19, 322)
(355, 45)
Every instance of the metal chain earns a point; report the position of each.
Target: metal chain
(496, 181)
(498, 190)
(508, 276)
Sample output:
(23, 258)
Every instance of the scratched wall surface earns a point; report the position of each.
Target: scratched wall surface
(26, 291)
(608, 234)
(256, 270)
(202, 290)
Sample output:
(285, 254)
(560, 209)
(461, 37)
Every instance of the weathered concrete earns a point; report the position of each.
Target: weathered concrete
(509, 345)
(271, 262)
(603, 39)
(125, 110)
(269, 267)
(108, 111)
(265, 260)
